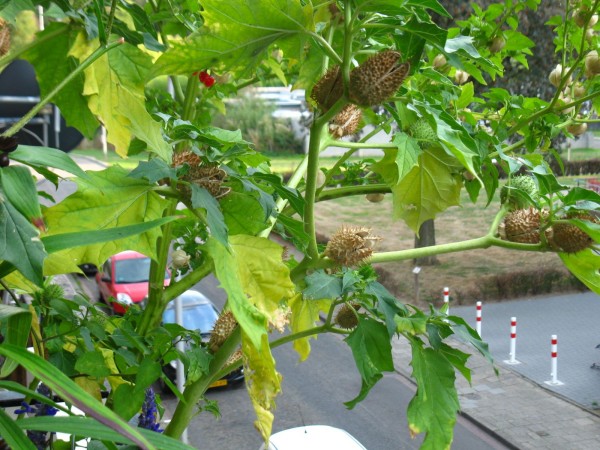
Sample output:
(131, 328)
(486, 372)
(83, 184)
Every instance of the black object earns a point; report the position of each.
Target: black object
(18, 80)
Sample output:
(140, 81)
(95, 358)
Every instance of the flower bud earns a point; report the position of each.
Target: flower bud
(564, 100)
(592, 63)
(497, 44)
(577, 129)
(461, 77)
(578, 90)
(439, 61)
(179, 259)
(557, 74)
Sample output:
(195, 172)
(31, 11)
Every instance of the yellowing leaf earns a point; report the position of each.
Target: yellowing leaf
(109, 199)
(252, 321)
(264, 276)
(114, 86)
(90, 385)
(304, 315)
(428, 189)
(263, 381)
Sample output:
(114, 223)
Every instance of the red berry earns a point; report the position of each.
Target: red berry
(209, 81)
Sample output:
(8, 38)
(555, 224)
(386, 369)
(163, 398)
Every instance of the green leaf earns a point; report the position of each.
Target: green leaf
(198, 363)
(397, 162)
(463, 331)
(64, 241)
(584, 265)
(434, 5)
(426, 30)
(20, 244)
(154, 170)
(322, 285)
(40, 158)
(110, 199)
(72, 393)
(114, 87)
(15, 324)
(10, 9)
(20, 190)
(85, 426)
(237, 34)
(12, 434)
(243, 213)
(372, 351)
(415, 324)
(52, 65)
(252, 321)
(92, 364)
(387, 304)
(467, 92)
(201, 198)
(434, 407)
(426, 190)
(305, 314)
(127, 400)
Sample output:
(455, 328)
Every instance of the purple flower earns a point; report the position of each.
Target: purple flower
(41, 439)
(148, 418)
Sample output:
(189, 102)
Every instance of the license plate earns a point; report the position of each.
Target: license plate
(219, 383)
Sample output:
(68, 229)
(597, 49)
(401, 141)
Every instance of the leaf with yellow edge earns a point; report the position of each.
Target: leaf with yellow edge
(109, 199)
(252, 321)
(264, 276)
(304, 315)
(90, 385)
(427, 189)
(263, 381)
(109, 361)
(114, 86)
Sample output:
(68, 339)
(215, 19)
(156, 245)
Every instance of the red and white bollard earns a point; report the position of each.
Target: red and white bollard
(447, 300)
(554, 356)
(513, 342)
(478, 319)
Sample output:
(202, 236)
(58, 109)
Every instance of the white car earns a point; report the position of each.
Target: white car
(313, 437)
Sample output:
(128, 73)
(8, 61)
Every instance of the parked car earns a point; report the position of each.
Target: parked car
(314, 437)
(123, 280)
(200, 314)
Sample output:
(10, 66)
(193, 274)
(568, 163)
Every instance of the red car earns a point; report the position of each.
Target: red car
(123, 280)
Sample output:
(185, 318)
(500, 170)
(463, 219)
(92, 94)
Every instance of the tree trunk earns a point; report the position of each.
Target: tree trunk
(426, 238)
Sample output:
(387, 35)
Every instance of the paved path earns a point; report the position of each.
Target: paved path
(517, 406)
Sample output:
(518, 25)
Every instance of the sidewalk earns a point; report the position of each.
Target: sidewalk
(516, 410)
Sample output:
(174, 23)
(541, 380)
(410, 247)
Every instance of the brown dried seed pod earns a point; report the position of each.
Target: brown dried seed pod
(523, 225)
(346, 316)
(223, 328)
(350, 246)
(377, 79)
(570, 238)
(4, 37)
(186, 157)
(346, 121)
(329, 89)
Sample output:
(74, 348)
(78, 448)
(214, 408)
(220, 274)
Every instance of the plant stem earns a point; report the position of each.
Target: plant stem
(346, 191)
(185, 410)
(88, 61)
(111, 17)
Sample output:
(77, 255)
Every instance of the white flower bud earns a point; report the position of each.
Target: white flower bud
(556, 75)
(461, 77)
(439, 61)
(577, 129)
(592, 63)
(179, 259)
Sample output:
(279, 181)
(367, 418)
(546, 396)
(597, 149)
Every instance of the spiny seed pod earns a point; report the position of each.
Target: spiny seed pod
(346, 122)
(377, 79)
(346, 316)
(4, 37)
(179, 259)
(523, 225)
(524, 183)
(577, 129)
(223, 328)
(439, 61)
(206, 175)
(350, 246)
(186, 157)
(329, 89)
(234, 357)
(497, 44)
(592, 63)
(570, 238)
(422, 132)
(375, 197)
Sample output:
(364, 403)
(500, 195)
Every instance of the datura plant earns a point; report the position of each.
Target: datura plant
(153, 73)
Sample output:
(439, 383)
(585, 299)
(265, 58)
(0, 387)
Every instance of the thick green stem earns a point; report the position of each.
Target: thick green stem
(185, 410)
(191, 91)
(111, 17)
(179, 287)
(346, 191)
(36, 109)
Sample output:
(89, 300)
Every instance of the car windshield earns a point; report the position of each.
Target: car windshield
(201, 317)
(134, 270)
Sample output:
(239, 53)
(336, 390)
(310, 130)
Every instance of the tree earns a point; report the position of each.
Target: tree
(96, 60)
